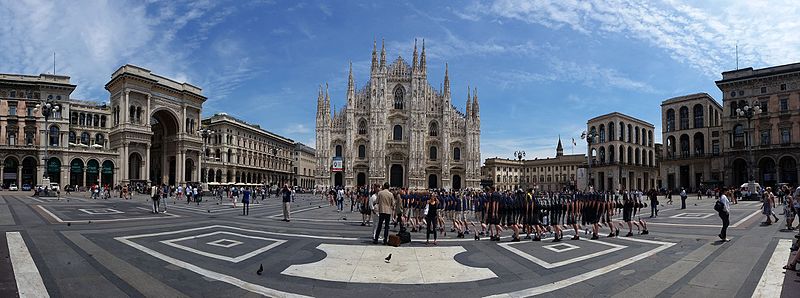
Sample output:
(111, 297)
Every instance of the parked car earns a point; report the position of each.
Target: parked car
(54, 186)
(26, 187)
(13, 187)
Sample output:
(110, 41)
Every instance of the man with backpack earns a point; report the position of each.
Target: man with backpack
(155, 195)
(683, 198)
(723, 207)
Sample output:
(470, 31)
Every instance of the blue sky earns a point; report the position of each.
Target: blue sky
(542, 68)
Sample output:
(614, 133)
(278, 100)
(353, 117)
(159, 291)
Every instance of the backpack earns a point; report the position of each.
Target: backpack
(719, 206)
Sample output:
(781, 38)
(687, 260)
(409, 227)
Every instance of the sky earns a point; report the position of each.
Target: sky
(541, 68)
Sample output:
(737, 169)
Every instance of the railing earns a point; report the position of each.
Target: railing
(690, 156)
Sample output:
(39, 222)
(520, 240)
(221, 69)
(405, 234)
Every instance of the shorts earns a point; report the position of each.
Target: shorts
(571, 220)
(627, 213)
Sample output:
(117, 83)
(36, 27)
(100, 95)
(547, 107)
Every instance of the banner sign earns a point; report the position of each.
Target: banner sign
(337, 165)
(53, 166)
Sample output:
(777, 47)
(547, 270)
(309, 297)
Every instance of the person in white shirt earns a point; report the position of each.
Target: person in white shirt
(725, 215)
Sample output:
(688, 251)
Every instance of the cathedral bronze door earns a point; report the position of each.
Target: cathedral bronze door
(432, 182)
(396, 176)
(337, 179)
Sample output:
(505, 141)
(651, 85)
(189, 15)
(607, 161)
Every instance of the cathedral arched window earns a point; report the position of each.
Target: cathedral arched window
(398, 97)
(397, 133)
(362, 127)
(338, 151)
(362, 151)
(456, 153)
(434, 129)
(433, 153)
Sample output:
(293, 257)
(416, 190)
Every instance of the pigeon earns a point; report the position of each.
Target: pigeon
(389, 258)
(209, 211)
(260, 269)
(90, 221)
(69, 224)
(344, 218)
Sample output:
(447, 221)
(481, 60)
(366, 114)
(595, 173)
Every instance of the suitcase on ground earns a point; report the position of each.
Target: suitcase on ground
(394, 240)
(405, 236)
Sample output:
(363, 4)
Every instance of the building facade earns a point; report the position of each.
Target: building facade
(304, 165)
(240, 152)
(545, 174)
(691, 130)
(623, 154)
(74, 142)
(399, 129)
(773, 135)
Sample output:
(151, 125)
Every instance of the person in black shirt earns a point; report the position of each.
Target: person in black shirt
(432, 218)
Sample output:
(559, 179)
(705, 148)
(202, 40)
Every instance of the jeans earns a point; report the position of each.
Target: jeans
(725, 222)
(340, 205)
(653, 209)
(683, 202)
(383, 222)
(164, 199)
(246, 208)
(155, 205)
(432, 223)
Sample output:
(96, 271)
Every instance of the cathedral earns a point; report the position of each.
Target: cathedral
(399, 129)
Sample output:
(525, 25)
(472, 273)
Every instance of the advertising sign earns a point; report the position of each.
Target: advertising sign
(337, 165)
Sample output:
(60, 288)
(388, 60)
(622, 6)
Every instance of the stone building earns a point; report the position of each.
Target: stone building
(240, 152)
(399, 129)
(691, 130)
(773, 136)
(74, 142)
(543, 174)
(623, 154)
(304, 165)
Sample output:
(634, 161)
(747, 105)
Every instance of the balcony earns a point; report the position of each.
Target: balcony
(688, 156)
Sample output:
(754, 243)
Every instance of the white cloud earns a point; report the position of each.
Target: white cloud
(296, 128)
(702, 37)
(93, 39)
(588, 74)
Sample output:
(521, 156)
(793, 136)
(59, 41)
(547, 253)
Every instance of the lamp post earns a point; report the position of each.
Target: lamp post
(748, 113)
(206, 133)
(48, 108)
(519, 155)
(590, 138)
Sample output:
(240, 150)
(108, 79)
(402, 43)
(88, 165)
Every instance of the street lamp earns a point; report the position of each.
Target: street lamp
(590, 137)
(748, 113)
(206, 133)
(519, 155)
(48, 108)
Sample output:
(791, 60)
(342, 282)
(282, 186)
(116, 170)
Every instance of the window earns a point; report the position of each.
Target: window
(715, 147)
(54, 135)
(733, 109)
(433, 152)
(698, 116)
(12, 108)
(786, 136)
(398, 97)
(764, 106)
(684, 117)
(12, 136)
(72, 137)
(362, 151)
(784, 104)
(362, 127)
(29, 111)
(456, 154)
(338, 151)
(763, 90)
(765, 140)
(433, 130)
(102, 121)
(29, 138)
(85, 138)
(397, 133)
(670, 120)
(99, 139)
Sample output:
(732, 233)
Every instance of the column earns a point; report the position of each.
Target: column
(125, 110)
(84, 176)
(123, 163)
(200, 167)
(147, 153)
(183, 120)
(19, 176)
(164, 166)
(180, 163)
(147, 121)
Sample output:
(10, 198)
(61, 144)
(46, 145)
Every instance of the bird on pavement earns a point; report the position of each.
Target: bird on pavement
(389, 258)
(69, 224)
(260, 269)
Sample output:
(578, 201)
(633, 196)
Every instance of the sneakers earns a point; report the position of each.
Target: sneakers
(617, 233)
(645, 232)
(610, 235)
(477, 238)
(528, 237)
(537, 238)
(629, 234)
(595, 237)
(556, 239)
(515, 239)
(576, 237)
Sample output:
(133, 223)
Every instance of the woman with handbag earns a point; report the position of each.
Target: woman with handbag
(431, 217)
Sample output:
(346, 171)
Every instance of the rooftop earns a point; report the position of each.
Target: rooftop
(225, 117)
(688, 97)
(147, 74)
(618, 114)
(748, 73)
(42, 78)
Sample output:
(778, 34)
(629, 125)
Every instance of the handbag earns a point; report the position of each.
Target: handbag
(425, 212)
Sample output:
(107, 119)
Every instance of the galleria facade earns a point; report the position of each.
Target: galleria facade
(398, 129)
(148, 132)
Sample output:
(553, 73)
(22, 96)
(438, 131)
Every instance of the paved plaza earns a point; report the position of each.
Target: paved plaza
(75, 246)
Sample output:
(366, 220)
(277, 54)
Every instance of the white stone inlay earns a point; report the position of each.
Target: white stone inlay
(557, 247)
(409, 265)
(692, 215)
(275, 242)
(226, 243)
(545, 264)
(103, 211)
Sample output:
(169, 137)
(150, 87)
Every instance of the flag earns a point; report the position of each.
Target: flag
(573, 142)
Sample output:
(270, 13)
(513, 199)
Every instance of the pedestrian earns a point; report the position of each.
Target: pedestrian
(768, 200)
(340, 200)
(683, 198)
(196, 194)
(155, 195)
(385, 202)
(724, 214)
(246, 201)
(431, 218)
(669, 197)
(653, 203)
(287, 201)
